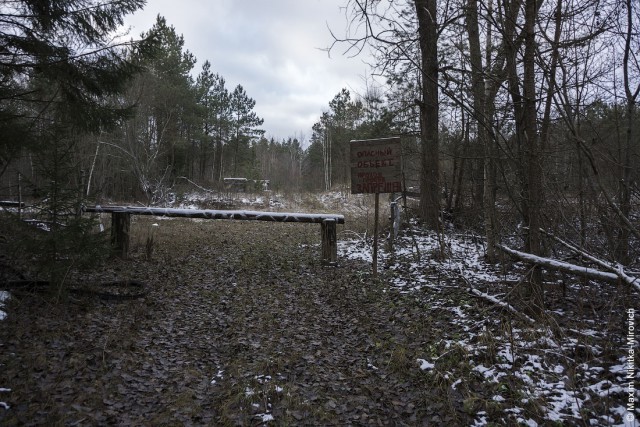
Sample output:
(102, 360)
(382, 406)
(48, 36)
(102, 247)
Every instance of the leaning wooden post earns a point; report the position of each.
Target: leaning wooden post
(375, 236)
(120, 225)
(329, 241)
(19, 196)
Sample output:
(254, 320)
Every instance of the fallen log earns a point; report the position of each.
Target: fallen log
(578, 270)
(617, 269)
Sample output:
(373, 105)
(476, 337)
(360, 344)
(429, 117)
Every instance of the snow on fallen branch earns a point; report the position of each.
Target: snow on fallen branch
(579, 270)
(500, 303)
(616, 269)
(494, 300)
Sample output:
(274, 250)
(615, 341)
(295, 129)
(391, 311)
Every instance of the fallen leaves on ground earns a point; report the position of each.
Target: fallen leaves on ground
(242, 325)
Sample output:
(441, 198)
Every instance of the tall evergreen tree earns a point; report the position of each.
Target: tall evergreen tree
(214, 100)
(244, 125)
(58, 60)
(61, 76)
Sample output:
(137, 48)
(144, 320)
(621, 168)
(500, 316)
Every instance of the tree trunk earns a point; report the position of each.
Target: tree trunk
(430, 171)
(481, 116)
(533, 152)
(624, 192)
(622, 252)
(524, 104)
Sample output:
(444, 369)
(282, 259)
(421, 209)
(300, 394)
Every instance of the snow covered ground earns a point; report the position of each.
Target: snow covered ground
(338, 202)
(536, 374)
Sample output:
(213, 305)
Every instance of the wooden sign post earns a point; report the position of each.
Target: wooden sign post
(376, 167)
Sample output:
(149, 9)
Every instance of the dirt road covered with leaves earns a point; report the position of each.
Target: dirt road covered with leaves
(242, 325)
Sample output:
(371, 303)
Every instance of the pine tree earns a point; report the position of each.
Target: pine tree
(58, 56)
(244, 124)
(61, 74)
(215, 112)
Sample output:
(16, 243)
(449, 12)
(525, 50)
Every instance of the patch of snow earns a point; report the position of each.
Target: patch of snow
(4, 404)
(42, 226)
(424, 365)
(458, 312)
(534, 357)
(4, 295)
(218, 376)
(606, 419)
(527, 422)
(486, 372)
(263, 378)
(547, 342)
(265, 417)
(371, 365)
(482, 421)
(619, 369)
(606, 388)
(507, 353)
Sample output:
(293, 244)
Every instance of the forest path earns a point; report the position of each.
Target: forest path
(242, 326)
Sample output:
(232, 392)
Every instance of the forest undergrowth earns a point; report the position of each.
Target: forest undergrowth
(242, 325)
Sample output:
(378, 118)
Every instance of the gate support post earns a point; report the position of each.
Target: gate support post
(120, 225)
(329, 242)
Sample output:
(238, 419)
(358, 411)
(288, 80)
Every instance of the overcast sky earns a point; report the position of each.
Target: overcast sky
(272, 48)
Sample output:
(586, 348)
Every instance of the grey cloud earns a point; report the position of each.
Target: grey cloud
(271, 48)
